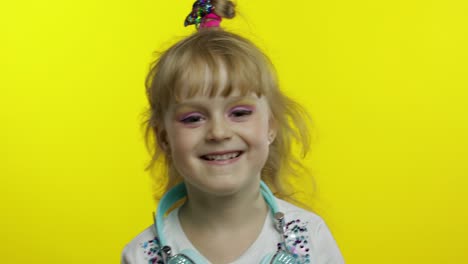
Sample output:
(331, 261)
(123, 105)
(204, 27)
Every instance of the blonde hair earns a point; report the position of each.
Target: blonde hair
(186, 64)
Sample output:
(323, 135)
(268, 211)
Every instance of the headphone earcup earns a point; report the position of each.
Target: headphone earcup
(280, 257)
(267, 259)
(194, 256)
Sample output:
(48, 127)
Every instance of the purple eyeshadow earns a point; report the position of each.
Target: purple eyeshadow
(190, 115)
(243, 108)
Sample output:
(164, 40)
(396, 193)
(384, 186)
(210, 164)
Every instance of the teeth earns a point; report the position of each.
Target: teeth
(222, 157)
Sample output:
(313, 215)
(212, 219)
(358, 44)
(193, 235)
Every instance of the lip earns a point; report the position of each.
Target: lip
(222, 152)
(222, 162)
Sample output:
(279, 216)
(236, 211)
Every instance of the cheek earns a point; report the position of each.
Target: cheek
(259, 132)
(181, 141)
(185, 144)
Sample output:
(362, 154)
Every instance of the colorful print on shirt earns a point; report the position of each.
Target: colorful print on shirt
(152, 251)
(297, 241)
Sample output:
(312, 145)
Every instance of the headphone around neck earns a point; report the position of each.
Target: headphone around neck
(189, 256)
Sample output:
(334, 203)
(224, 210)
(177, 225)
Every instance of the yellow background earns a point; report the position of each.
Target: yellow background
(385, 81)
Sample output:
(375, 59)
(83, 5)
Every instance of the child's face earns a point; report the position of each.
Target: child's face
(220, 144)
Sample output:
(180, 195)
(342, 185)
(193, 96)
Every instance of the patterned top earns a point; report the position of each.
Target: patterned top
(306, 236)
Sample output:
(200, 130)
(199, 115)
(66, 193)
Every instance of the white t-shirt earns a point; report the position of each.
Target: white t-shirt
(307, 237)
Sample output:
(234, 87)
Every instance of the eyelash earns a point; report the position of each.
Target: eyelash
(191, 119)
(238, 112)
(241, 112)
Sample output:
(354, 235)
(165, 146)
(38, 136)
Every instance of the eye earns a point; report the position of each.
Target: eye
(191, 118)
(241, 111)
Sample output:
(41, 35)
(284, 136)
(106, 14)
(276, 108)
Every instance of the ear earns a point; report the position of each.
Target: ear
(161, 137)
(272, 130)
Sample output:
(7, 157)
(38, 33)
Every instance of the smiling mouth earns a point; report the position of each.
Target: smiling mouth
(221, 157)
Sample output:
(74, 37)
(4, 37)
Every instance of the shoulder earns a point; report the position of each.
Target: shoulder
(307, 235)
(293, 211)
(144, 248)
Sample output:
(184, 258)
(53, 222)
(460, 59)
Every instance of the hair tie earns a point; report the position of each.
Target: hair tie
(202, 15)
(210, 20)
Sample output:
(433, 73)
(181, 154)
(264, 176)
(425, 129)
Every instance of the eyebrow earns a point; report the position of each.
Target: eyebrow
(231, 100)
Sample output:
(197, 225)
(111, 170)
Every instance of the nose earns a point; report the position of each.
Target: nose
(218, 130)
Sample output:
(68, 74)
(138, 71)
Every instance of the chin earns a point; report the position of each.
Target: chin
(222, 186)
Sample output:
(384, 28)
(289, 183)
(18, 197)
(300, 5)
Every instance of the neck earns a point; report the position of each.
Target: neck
(223, 212)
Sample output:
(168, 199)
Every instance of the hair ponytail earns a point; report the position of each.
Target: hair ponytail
(224, 8)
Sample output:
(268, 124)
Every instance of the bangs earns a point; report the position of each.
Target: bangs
(209, 63)
(211, 73)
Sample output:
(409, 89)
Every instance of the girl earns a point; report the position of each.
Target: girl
(223, 130)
